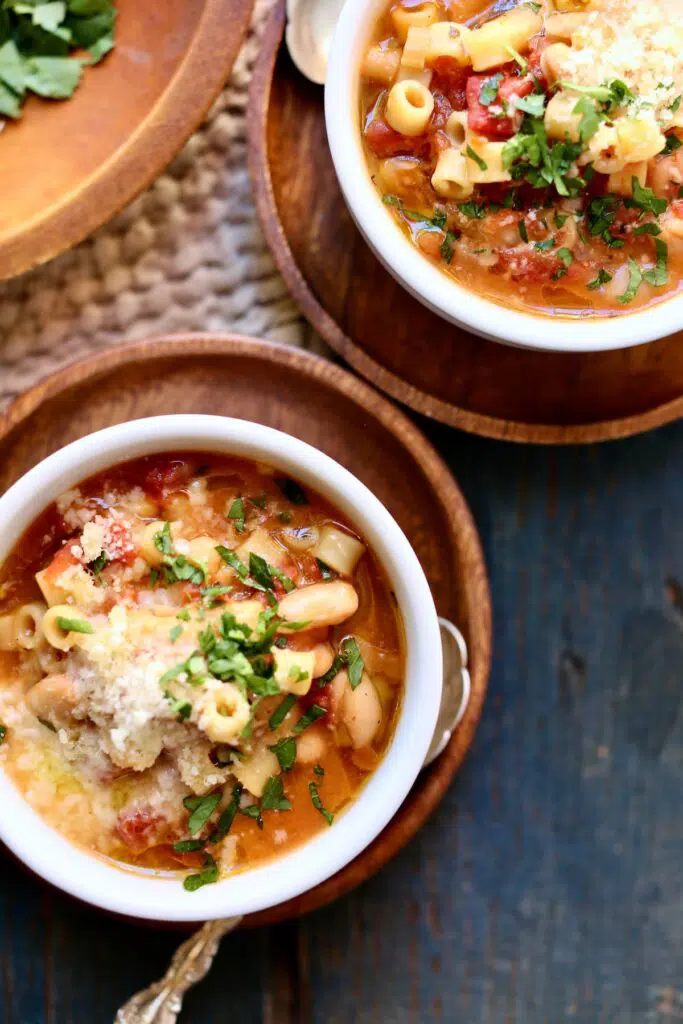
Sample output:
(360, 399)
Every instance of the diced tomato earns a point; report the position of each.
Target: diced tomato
(450, 79)
(536, 48)
(167, 476)
(442, 109)
(481, 119)
(534, 267)
(63, 560)
(385, 142)
(141, 828)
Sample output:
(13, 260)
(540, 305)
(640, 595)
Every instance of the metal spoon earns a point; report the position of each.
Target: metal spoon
(162, 1001)
(310, 26)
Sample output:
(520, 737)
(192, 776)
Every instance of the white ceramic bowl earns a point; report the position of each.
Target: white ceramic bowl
(415, 272)
(139, 895)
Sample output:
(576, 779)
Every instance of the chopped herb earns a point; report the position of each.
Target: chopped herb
(561, 219)
(645, 199)
(354, 660)
(281, 642)
(273, 798)
(672, 144)
(545, 245)
(74, 625)
(482, 165)
(259, 500)
(210, 595)
(489, 89)
(236, 512)
(336, 666)
(567, 257)
(206, 876)
(266, 574)
(533, 5)
(227, 816)
(530, 155)
(391, 200)
(184, 615)
(610, 95)
(325, 571)
(201, 808)
(523, 233)
(439, 218)
(472, 209)
(295, 626)
(253, 811)
(163, 541)
(518, 59)
(318, 804)
(281, 711)
(312, 715)
(99, 563)
(590, 119)
(47, 724)
(602, 278)
(447, 247)
(188, 845)
(285, 751)
(179, 707)
(175, 568)
(318, 769)
(3, 733)
(635, 277)
(533, 104)
(650, 228)
(233, 560)
(659, 275)
(175, 633)
(297, 674)
(673, 107)
(292, 491)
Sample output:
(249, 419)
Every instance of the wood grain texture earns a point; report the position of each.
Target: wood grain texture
(67, 167)
(437, 369)
(319, 403)
(547, 887)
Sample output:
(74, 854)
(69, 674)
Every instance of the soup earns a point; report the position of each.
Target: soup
(533, 151)
(200, 664)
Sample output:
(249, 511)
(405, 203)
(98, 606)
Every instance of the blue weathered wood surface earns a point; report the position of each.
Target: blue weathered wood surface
(548, 887)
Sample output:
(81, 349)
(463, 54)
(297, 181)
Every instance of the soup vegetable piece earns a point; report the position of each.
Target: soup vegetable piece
(36, 40)
(200, 664)
(534, 151)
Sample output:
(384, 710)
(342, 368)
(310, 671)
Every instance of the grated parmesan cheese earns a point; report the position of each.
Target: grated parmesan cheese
(639, 43)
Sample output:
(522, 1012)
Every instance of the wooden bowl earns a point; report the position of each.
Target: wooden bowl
(318, 402)
(436, 368)
(68, 166)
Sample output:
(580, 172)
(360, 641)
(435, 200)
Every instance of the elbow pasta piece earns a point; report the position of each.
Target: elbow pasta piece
(29, 624)
(621, 182)
(553, 59)
(639, 139)
(409, 108)
(62, 639)
(603, 151)
(223, 711)
(403, 19)
(293, 670)
(424, 77)
(381, 65)
(447, 39)
(255, 772)
(339, 550)
(456, 127)
(490, 45)
(560, 119)
(52, 593)
(488, 168)
(416, 48)
(451, 175)
(561, 27)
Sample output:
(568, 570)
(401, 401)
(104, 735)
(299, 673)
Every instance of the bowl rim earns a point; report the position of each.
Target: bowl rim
(424, 281)
(133, 893)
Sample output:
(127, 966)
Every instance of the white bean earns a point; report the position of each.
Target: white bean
(320, 604)
(53, 698)
(362, 712)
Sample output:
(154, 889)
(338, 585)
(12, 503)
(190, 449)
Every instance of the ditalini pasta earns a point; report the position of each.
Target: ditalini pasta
(536, 155)
(200, 664)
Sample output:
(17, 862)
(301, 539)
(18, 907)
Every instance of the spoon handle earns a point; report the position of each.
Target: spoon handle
(162, 1001)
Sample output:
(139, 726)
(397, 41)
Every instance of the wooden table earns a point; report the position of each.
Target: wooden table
(549, 885)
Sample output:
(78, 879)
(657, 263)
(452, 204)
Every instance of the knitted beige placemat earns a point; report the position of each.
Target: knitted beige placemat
(188, 254)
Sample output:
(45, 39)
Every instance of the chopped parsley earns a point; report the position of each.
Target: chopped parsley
(74, 625)
(481, 164)
(644, 199)
(207, 875)
(175, 567)
(353, 660)
(181, 708)
(529, 155)
(325, 572)
(236, 513)
(672, 144)
(659, 275)
(597, 282)
(3, 733)
(259, 500)
(533, 104)
(312, 715)
(489, 89)
(281, 711)
(318, 804)
(273, 798)
(590, 119)
(523, 233)
(650, 228)
(99, 563)
(201, 808)
(292, 491)
(253, 811)
(188, 845)
(285, 751)
(447, 247)
(518, 59)
(227, 816)
(635, 279)
(567, 257)
(545, 245)
(472, 209)
(174, 633)
(318, 769)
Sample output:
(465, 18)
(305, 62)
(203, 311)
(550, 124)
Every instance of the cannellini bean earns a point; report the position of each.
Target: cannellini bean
(320, 604)
(362, 712)
(553, 59)
(224, 712)
(53, 698)
(324, 655)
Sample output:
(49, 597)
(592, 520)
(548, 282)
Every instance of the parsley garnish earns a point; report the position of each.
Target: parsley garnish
(293, 491)
(447, 247)
(590, 119)
(227, 816)
(533, 104)
(206, 876)
(650, 228)
(201, 808)
(659, 275)
(635, 278)
(325, 572)
(318, 804)
(236, 512)
(672, 144)
(673, 107)
(523, 233)
(99, 563)
(281, 711)
(175, 568)
(545, 245)
(567, 257)
(3, 733)
(253, 811)
(74, 625)
(318, 769)
(259, 500)
(174, 633)
(518, 59)
(645, 199)
(188, 845)
(273, 798)
(602, 278)
(489, 89)
(312, 715)
(483, 166)
(285, 751)
(354, 660)
(472, 209)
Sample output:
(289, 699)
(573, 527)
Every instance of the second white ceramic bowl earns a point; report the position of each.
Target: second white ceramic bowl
(421, 278)
(137, 894)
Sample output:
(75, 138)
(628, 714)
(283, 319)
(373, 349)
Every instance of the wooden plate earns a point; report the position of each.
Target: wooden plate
(319, 403)
(437, 369)
(68, 166)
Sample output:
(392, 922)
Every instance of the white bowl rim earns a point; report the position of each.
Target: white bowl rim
(132, 893)
(422, 279)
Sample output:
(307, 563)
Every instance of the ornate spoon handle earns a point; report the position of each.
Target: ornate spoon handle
(162, 1001)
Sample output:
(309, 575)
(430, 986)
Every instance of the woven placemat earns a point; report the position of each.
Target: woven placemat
(188, 254)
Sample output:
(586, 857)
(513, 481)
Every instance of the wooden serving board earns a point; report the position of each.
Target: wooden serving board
(69, 166)
(386, 335)
(316, 401)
